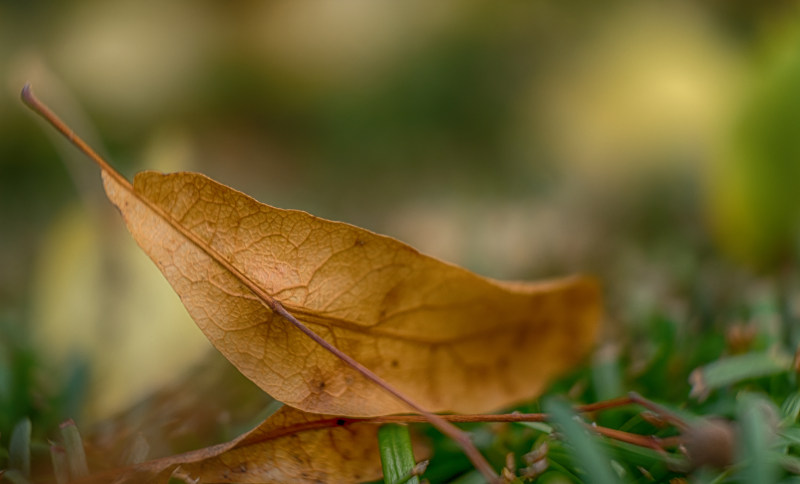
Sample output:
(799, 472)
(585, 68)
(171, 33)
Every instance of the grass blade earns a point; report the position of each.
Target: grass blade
(397, 455)
(759, 463)
(586, 454)
(60, 465)
(19, 448)
(73, 445)
(733, 369)
(14, 476)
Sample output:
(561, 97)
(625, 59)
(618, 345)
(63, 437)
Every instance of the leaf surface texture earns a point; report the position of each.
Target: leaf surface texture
(450, 339)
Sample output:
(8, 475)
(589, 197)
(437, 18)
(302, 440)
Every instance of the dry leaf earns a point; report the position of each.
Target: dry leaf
(290, 446)
(455, 340)
(452, 340)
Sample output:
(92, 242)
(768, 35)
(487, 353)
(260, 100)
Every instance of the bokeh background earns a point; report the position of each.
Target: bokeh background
(653, 144)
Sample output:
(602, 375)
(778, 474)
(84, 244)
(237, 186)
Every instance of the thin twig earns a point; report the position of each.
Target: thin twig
(668, 415)
(646, 441)
(605, 404)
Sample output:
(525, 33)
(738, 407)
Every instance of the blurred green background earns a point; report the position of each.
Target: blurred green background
(654, 144)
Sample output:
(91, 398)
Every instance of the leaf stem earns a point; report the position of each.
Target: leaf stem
(445, 427)
(42, 110)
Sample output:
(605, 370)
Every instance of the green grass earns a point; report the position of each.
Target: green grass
(397, 454)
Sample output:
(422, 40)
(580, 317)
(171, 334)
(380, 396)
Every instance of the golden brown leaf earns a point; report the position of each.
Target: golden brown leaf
(290, 446)
(453, 340)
